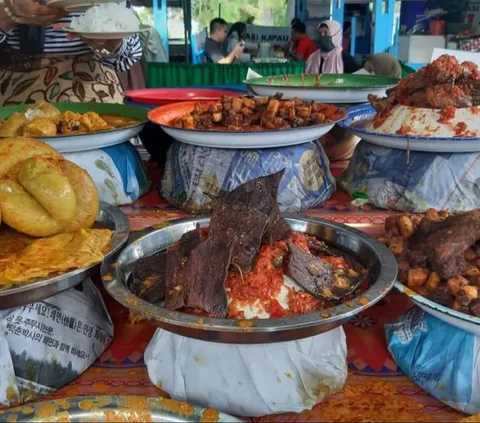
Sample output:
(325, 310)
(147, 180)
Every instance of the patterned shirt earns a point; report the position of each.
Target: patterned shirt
(56, 43)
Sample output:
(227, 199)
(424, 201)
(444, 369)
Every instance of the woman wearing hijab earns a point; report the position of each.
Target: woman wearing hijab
(40, 61)
(383, 64)
(330, 56)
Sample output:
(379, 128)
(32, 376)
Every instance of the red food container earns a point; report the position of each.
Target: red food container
(437, 27)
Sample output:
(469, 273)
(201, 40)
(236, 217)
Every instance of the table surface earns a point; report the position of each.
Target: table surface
(376, 388)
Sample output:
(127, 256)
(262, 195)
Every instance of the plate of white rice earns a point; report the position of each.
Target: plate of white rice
(108, 21)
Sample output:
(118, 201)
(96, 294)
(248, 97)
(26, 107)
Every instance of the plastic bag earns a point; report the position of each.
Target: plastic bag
(249, 380)
(443, 181)
(442, 359)
(46, 345)
(194, 175)
(117, 171)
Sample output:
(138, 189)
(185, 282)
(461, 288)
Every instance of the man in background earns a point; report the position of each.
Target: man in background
(213, 50)
(304, 45)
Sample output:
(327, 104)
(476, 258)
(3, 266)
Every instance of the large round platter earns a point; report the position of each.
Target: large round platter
(109, 217)
(129, 408)
(455, 318)
(94, 140)
(367, 250)
(165, 96)
(333, 88)
(359, 116)
(163, 116)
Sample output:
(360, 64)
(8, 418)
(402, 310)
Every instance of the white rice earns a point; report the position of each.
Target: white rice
(107, 17)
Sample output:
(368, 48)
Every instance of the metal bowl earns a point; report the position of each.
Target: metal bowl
(109, 217)
(105, 408)
(367, 250)
(455, 318)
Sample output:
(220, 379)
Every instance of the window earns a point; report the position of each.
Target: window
(258, 12)
(176, 29)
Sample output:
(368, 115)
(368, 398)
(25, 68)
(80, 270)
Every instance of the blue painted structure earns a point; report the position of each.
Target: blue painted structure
(384, 27)
(337, 10)
(160, 20)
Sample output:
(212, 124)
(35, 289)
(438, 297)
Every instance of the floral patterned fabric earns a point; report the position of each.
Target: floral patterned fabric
(27, 79)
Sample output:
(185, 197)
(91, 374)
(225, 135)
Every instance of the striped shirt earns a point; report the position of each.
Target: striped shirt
(56, 43)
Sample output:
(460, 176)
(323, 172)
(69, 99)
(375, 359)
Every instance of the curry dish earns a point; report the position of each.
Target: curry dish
(258, 114)
(44, 120)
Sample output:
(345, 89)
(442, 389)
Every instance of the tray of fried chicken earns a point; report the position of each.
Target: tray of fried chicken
(438, 256)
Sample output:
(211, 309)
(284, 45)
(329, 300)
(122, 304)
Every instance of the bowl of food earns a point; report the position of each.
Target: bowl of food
(247, 122)
(72, 127)
(53, 228)
(438, 263)
(434, 109)
(248, 274)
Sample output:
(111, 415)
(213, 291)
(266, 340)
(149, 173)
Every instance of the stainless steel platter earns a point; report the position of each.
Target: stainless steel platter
(129, 408)
(109, 217)
(367, 250)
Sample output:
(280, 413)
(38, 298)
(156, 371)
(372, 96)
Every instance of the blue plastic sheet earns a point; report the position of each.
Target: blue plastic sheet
(443, 181)
(194, 175)
(438, 357)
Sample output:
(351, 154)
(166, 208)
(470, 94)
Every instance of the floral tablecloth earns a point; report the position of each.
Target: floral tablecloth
(376, 389)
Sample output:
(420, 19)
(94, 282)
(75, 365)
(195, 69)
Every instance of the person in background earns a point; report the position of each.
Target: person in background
(339, 144)
(153, 51)
(347, 35)
(213, 45)
(237, 34)
(330, 57)
(289, 48)
(304, 45)
(383, 64)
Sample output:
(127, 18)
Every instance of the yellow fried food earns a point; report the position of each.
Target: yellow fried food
(41, 193)
(13, 126)
(40, 127)
(56, 254)
(12, 241)
(44, 109)
(43, 178)
(93, 122)
(88, 203)
(25, 214)
(16, 150)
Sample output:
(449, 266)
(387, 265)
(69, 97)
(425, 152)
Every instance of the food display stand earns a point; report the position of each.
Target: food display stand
(376, 389)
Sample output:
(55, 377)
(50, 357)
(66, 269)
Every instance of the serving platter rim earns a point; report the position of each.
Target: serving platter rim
(112, 279)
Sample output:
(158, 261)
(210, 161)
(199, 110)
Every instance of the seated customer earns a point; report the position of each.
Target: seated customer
(289, 48)
(339, 144)
(213, 45)
(330, 57)
(304, 45)
(383, 64)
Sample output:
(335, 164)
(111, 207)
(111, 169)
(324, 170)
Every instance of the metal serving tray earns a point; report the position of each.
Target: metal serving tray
(109, 217)
(367, 250)
(129, 408)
